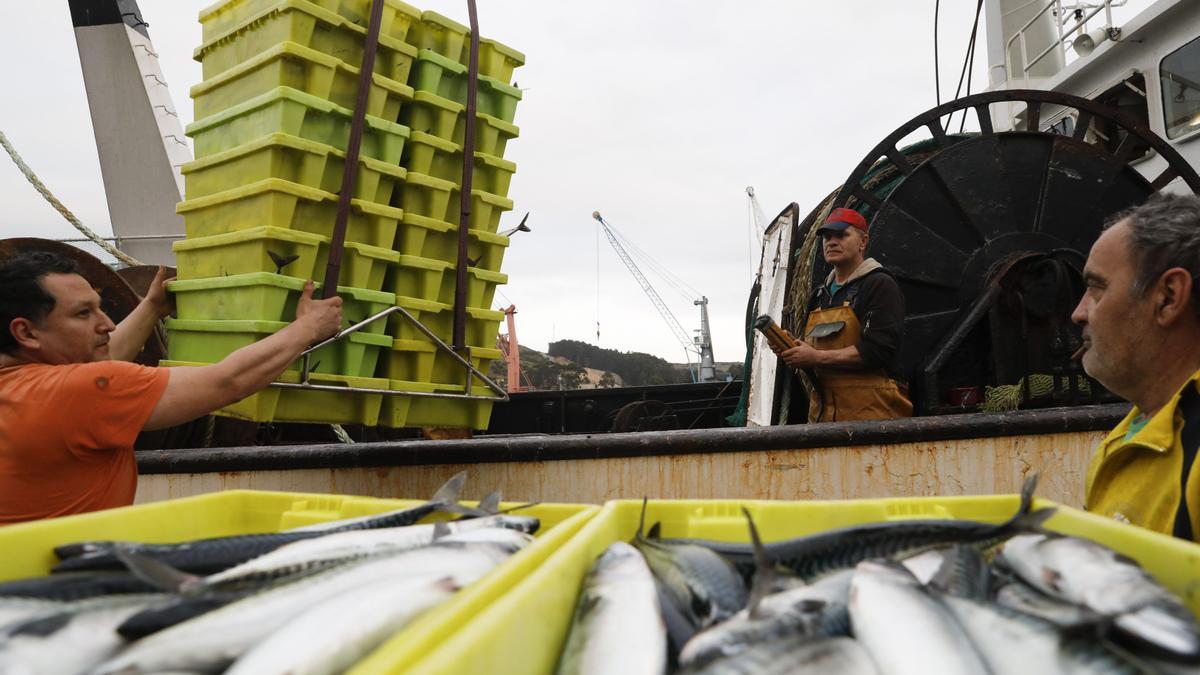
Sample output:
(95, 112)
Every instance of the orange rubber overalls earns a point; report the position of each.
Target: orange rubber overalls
(844, 395)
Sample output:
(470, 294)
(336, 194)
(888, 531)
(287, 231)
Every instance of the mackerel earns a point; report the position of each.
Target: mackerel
(906, 630)
(74, 586)
(213, 641)
(1112, 585)
(828, 656)
(312, 644)
(617, 626)
(813, 556)
(208, 556)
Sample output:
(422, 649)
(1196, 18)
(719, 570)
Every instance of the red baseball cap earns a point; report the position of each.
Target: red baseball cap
(840, 219)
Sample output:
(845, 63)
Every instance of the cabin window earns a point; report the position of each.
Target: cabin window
(1180, 72)
(1129, 97)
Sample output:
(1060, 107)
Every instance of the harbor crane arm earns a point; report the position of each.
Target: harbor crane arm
(680, 334)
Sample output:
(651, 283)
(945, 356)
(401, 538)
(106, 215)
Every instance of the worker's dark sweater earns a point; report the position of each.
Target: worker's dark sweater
(879, 306)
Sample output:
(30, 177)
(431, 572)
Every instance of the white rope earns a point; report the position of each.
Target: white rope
(341, 433)
(58, 206)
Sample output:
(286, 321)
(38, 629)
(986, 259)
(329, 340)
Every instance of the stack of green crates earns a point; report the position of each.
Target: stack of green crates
(273, 118)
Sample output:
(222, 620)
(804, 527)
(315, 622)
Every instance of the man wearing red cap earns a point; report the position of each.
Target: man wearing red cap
(855, 323)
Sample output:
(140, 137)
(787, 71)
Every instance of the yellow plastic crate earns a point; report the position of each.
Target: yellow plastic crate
(293, 159)
(486, 209)
(417, 277)
(427, 237)
(247, 251)
(481, 287)
(492, 134)
(501, 643)
(363, 266)
(487, 249)
(422, 310)
(397, 19)
(427, 154)
(495, 59)
(493, 174)
(293, 112)
(278, 203)
(30, 547)
(424, 195)
(237, 31)
(289, 64)
(452, 414)
(408, 361)
(438, 317)
(447, 370)
(394, 413)
(440, 34)
(433, 114)
(332, 407)
(263, 296)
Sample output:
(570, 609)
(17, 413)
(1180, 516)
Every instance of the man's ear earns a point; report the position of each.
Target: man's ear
(24, 332)
(1173, 295)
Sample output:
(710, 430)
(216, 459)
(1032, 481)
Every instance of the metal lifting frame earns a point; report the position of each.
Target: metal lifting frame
(471, 371)
(333, 269)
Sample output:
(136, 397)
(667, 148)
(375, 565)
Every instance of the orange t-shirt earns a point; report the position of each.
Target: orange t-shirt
(67, 433)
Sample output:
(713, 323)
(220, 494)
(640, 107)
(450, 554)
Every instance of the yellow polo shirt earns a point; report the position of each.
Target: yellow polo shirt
(1136, 480)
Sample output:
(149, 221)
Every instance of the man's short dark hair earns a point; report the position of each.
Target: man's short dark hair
(1164, 233)
(22, 294)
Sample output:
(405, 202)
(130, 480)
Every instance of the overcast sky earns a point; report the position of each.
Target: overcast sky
(658, 114)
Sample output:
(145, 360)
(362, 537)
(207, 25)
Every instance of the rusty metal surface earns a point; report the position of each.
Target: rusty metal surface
(139, 277)
(673, 445)
(928, 468)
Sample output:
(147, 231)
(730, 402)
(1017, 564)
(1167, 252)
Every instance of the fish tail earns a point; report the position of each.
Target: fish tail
(765, 575)
(156, 572)
(448, 492)
(640, 536)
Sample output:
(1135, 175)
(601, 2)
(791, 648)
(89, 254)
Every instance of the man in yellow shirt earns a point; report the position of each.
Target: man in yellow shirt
(1140, 316)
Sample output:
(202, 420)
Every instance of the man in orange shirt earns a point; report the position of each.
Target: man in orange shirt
(70, 403)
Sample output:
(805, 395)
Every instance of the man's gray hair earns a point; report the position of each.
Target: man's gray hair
(1163, 233)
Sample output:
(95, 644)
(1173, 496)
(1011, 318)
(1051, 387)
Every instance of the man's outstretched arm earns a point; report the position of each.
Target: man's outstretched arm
(197, 391)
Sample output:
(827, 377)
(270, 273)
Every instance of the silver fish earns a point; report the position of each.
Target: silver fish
(211, 642)
(70, 642)
(905, 629)
(819, 610)
(1088, 574)
(312, 644)
(617, 626)
(1013, 643)
(828, 656)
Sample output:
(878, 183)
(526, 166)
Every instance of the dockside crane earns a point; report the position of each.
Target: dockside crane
(701, 345)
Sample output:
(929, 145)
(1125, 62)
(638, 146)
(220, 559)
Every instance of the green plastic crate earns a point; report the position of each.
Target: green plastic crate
(492, 97)
(289, 64)
(433, 114)
(447, 370)
(417, 277)
(493, 174)
(201, 342)
(235, 32)
(278, 203)
(293, 159)
(408, 360)
(257, 407)
(363, 266)
(397, 20)
(290, 111)
(329, 407)
(486, 209)
(482, 325)
(495, 59)
(433, 315)
(427, 154)
(440, 34)
(449, 413)
(427, 237)
(424, 195)
(245, 252)
(435, 73)
(255, 296)
(492, 134)
(487, 249)
(394, 411)
(262, 296)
